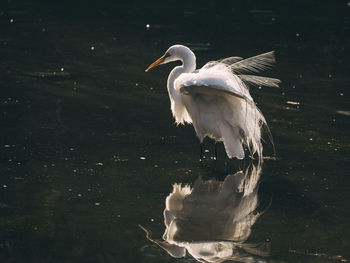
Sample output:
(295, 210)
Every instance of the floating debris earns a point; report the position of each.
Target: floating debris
(142, 158)
(19, 178)
(119, 159)
(47, 75)
(319, 255)
(8, 101)
(293, 102)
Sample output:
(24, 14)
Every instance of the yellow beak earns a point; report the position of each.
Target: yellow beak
(156, 63)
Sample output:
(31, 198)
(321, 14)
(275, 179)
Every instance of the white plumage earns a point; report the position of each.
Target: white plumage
(212, 220)
(216, 98)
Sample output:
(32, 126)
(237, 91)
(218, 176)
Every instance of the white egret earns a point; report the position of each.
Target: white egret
(216, 98)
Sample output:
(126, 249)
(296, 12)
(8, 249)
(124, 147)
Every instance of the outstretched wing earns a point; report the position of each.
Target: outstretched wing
(212, 82)
(226, 61)
(230, 60)
(254, 64)
(239, 65)
(212, 90)
(242, 68)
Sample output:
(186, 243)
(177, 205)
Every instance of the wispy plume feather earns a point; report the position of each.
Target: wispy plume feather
(254, 64)
(260, 81)
(226, 61)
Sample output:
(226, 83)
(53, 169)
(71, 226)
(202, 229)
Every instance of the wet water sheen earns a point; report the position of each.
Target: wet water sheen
(89, 150)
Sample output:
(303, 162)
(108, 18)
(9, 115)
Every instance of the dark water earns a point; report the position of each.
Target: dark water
(89, 149)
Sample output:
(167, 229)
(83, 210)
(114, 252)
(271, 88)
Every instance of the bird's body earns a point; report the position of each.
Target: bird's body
(216, 100)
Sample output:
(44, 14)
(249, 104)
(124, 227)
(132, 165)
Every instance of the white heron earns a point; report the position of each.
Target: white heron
(216, 98)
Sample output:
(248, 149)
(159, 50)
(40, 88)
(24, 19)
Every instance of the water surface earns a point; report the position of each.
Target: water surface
(89, 149)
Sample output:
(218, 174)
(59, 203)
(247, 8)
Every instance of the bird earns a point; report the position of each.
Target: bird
(216, 100)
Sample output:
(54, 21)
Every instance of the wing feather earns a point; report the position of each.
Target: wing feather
(230, 60)
(226, 61)
(254, 64)
(260, 81)
(210, 64)
(213, 90)
(249, 65)
(218, 81)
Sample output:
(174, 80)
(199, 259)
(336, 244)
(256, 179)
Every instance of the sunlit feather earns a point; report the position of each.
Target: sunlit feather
(216, 98)
(254, 64)
(259, 81)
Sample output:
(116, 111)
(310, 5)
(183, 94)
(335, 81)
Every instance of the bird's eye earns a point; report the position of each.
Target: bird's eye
(167, 55)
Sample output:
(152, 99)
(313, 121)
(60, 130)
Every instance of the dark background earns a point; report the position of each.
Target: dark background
(88, 148)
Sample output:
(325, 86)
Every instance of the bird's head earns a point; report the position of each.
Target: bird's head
(174, 53)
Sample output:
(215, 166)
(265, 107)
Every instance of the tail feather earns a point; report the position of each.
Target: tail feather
(232, 142)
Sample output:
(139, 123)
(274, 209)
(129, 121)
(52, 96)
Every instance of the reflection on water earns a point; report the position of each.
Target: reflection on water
(213, 219)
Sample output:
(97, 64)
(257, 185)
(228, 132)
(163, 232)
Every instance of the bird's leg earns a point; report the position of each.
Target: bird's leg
(201, 152)
(215, 151)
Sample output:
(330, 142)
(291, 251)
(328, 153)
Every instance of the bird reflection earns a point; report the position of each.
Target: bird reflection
(212, 220)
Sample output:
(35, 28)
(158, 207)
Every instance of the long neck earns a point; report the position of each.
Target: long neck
(177, 71)
(188, 66)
